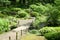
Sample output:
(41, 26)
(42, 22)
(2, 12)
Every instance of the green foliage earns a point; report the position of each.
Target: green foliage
(15, 9)
(47, 1)
(41, 15)
(5, 2)
(48, 30)
(53, 36)
(57, 2)
(2, 15)
(50, 13)
(35, 24)
(10, 11)
(4, 25)
(53, 17)
(12, 21)
(25, 3)
(28, 2)
(6, 11)
(34, 14)
(33, 31)
(22, 14)
(41, 9)
(7, 23)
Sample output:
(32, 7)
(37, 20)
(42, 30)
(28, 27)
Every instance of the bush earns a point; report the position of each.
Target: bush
(47, 13)
(22, 14)
(6, 11)
(34, 14)
(5, 2)
(33, 31)
(35, 24)
(54, 15)
(2, 15)
(53, 36)
(41, 9)
(11, 11)
(48, 30)
(47, 1)
(15, 9)
(57, 2)
(4, 25)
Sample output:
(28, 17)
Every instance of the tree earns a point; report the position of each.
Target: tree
(4, 2)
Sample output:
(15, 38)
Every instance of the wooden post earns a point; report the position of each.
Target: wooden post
(16, 35)
(9, 38)
(21, 32)
(27, 29)
(17, 23)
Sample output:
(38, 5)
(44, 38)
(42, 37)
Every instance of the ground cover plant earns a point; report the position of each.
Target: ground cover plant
(4, 25)
(45, 30)
(53, 36)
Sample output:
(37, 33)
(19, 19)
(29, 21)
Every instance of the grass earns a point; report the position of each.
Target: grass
(32, 37)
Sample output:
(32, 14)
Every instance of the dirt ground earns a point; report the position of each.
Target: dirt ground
(33, 37)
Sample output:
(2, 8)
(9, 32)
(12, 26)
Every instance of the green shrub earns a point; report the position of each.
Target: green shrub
(22, 14)
(54, 15)
(36, 24)
(57, 29)
(47, 30)
(15, 9)
(11, 11)
(39, 22)
(5, 11)
(12, 21)
(47, 13)
(34, 14)
(5, 2)
(52, 36)
(57, 2)
(41, 9)
(33, 31)
(28, 10)
(4, 25)
(2, 15)
(47, 1)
